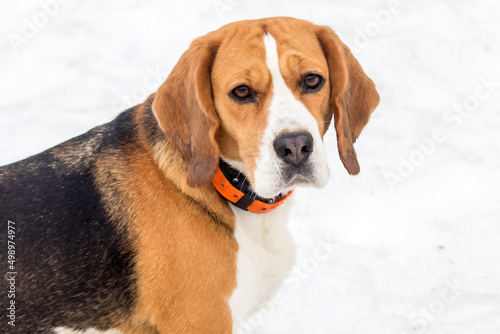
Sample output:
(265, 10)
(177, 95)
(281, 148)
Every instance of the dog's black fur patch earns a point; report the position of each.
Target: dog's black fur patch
(75, 264)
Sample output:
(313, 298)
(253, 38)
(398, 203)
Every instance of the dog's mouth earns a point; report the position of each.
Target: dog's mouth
(288, 179)
(297, 180)
(293, 175)
(292, 181)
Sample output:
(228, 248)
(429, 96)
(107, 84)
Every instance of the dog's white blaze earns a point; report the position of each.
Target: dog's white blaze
(286, 114)
(265, 256)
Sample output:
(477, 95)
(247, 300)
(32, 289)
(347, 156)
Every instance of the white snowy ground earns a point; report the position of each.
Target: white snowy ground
(418, 254)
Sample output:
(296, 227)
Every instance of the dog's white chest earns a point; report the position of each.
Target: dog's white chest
(265, 256)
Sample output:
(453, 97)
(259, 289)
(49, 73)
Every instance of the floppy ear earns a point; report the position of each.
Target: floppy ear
(185, 111)
(353, 95)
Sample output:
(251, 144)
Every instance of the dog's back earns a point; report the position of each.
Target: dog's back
(64, 238)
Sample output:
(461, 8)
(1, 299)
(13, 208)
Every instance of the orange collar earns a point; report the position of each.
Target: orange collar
(244, 200)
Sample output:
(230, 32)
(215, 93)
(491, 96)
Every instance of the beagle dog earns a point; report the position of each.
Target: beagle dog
(172, 217)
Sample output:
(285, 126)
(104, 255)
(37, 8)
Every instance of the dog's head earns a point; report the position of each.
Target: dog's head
(262, 94)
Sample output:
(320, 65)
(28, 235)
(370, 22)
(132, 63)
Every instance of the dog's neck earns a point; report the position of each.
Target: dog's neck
(233, 185)
(173, 166)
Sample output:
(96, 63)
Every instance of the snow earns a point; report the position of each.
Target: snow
(418, 256)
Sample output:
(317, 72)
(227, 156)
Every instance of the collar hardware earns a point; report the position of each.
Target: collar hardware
(238, 191)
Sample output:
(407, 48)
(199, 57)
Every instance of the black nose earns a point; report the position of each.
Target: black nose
(294, 148)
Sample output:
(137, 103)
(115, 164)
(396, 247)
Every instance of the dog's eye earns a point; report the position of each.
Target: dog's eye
(242, 93)
(312, 82)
